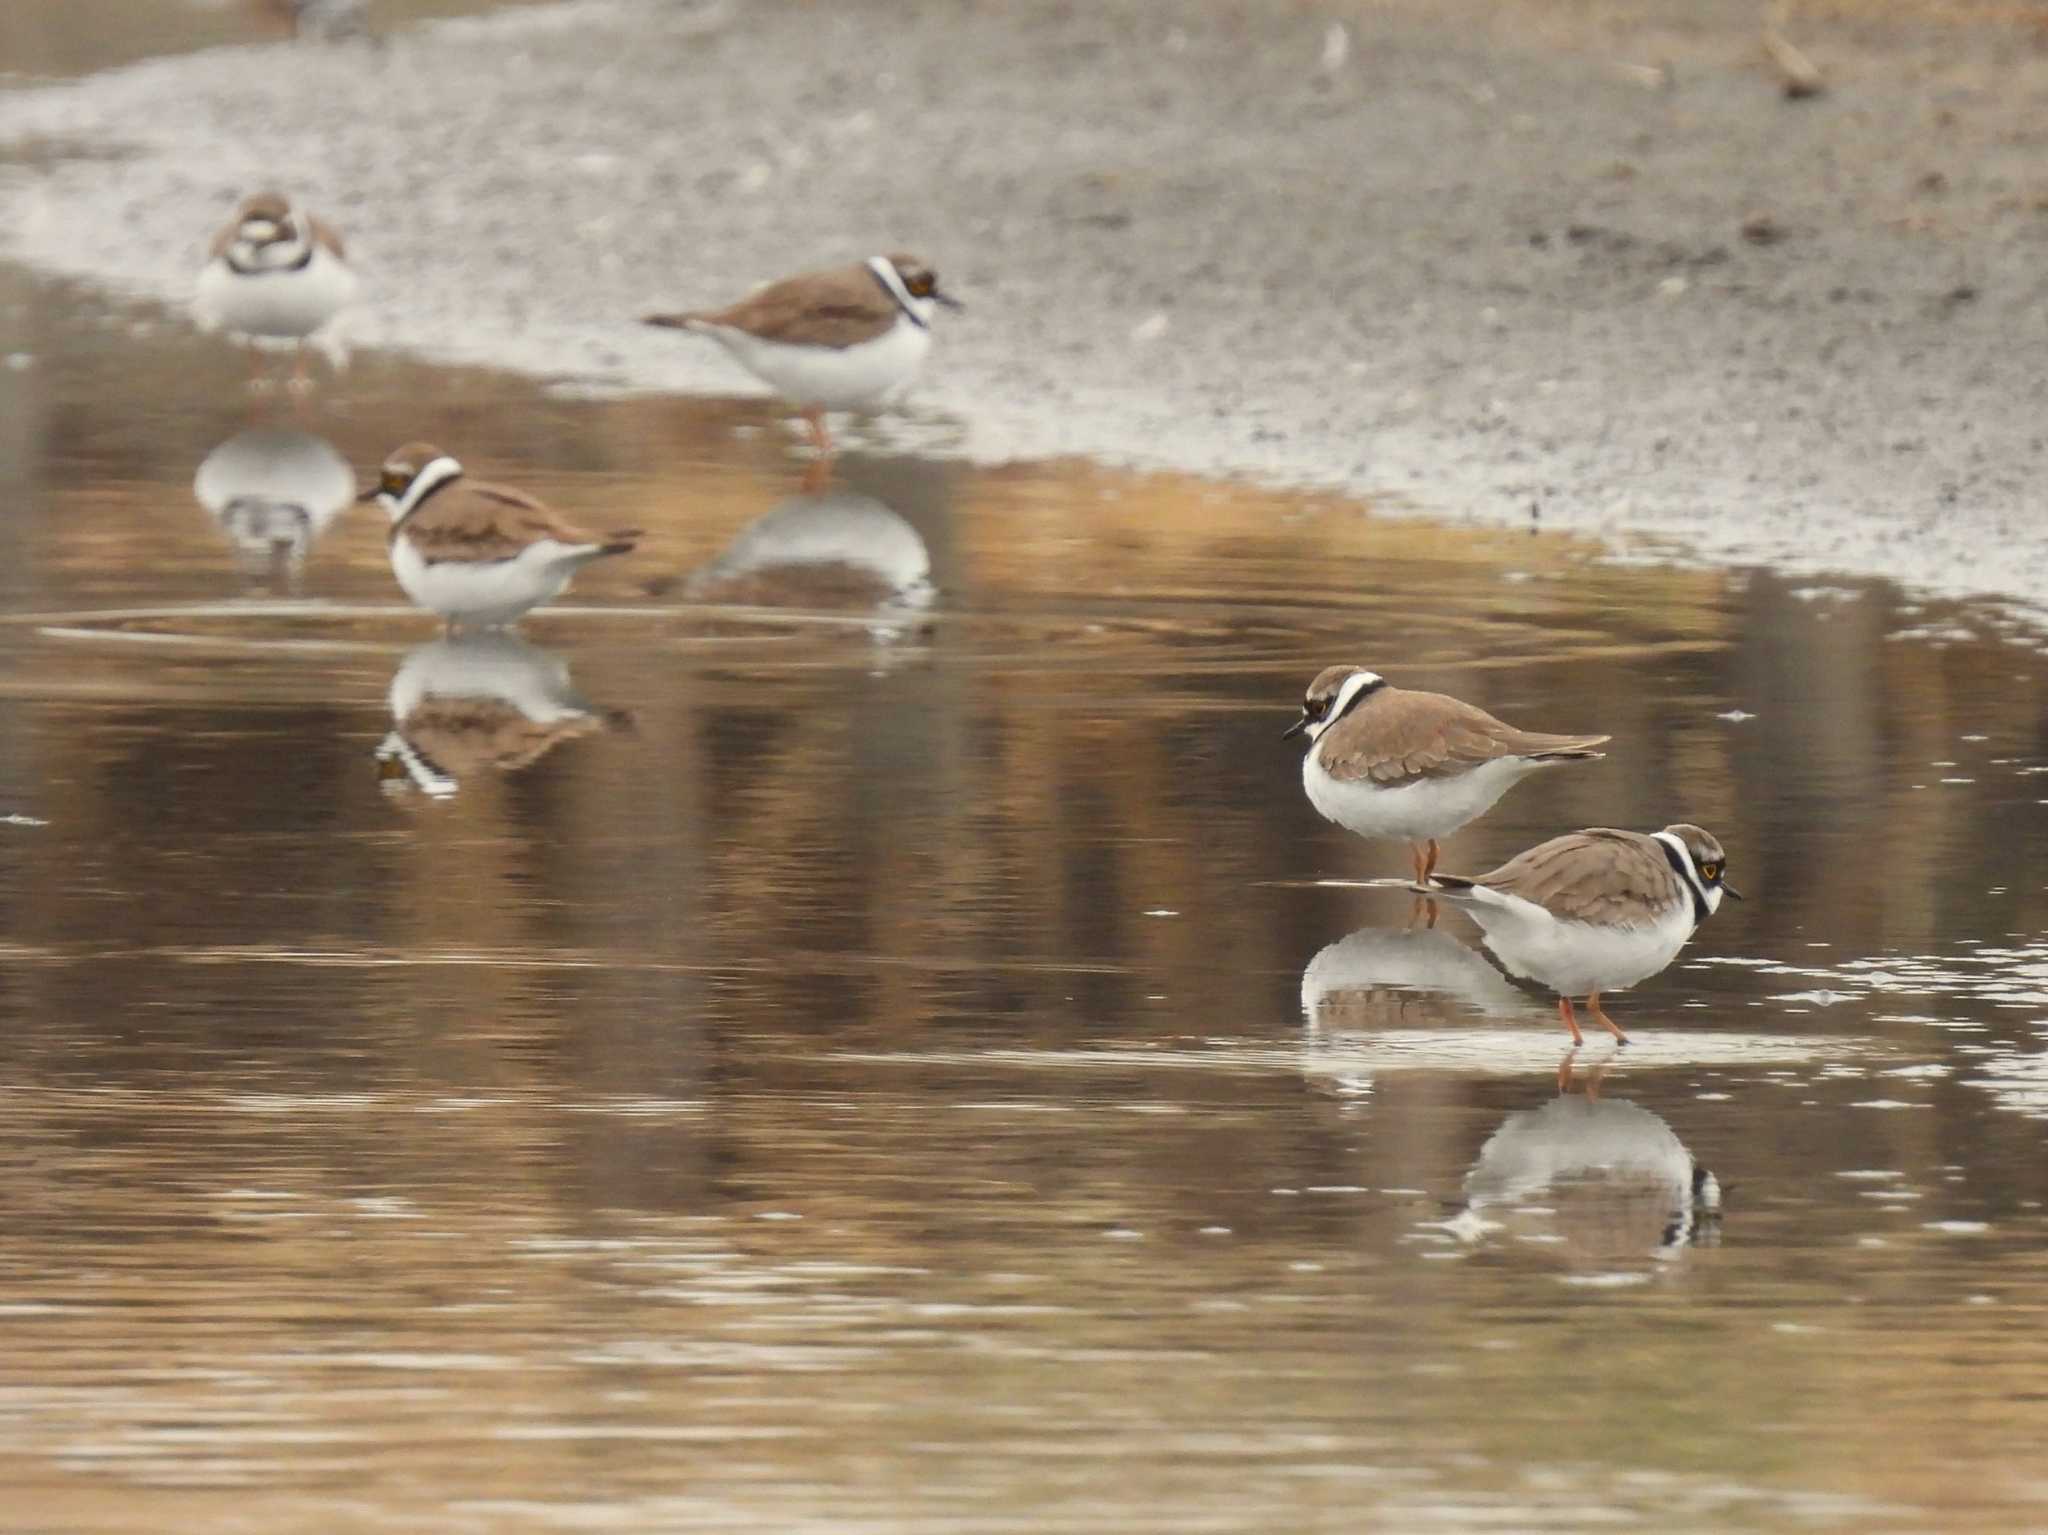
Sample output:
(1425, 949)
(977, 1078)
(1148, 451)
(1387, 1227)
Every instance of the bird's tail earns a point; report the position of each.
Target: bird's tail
(1549, 748)
(689, 320)
(621, 540)
(1448, 887)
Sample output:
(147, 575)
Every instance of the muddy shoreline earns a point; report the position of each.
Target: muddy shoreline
(1502, 263)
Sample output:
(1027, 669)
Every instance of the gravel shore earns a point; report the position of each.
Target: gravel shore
(1589, 261)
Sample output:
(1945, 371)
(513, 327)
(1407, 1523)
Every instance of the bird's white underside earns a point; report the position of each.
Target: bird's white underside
(858, 377)
(1575, 959)
(487, 593)
(283, 305)
(1411, 812)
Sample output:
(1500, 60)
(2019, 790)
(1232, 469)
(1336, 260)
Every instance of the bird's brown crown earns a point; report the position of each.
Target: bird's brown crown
(402, 465)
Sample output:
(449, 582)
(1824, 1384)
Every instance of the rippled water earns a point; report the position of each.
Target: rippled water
(886, 1046)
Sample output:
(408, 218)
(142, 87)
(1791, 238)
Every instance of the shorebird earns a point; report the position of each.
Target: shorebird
(275, 273)
(1594, 911)
(846, 338)
(475, 553)
(1392, 764)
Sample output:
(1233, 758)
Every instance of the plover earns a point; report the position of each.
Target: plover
(1595, 910)
(478, 554)
(275, 273)
(847, 338)
(1392, 764)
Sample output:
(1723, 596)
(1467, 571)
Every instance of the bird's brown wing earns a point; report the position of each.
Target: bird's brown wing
(474, 521)
(1396, 736)
(841, 307)
(326, 234)
(1599, 875)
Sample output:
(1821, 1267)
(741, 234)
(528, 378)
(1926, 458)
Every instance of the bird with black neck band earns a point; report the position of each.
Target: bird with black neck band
(478, 554)
(1397, 764)
(1594, 911)
(844, 338)
(275, 274)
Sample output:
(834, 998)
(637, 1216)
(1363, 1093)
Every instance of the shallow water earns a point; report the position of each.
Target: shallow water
(41, 41)
(878, 1049)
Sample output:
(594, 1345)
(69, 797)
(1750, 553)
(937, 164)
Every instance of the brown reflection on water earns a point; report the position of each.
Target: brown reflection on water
(74, 37)
(905, 1075)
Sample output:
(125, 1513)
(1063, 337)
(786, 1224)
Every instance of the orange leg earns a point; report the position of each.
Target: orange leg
(819, 474)
(1593, 1002)
(1564, 1011)
(821, 437)
(1429, 867)
(1421, 868)
(1567, 1078)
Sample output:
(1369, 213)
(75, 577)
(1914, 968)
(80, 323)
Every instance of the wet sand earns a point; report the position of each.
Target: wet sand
(1488, 262)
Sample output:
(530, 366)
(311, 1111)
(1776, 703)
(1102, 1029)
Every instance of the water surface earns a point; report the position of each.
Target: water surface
(886, 1046)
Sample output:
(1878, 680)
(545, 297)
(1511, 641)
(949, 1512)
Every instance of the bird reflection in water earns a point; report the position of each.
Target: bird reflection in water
(1601, 1179)
(1381, 977)
(837, 550)
(324, 21)
(486, 701)
(274, 491)
(1377, 980)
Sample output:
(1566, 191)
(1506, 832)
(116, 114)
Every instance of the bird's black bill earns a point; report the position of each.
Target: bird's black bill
(371, 494)
(1728, 889)
(1295, 729)
(947, 299)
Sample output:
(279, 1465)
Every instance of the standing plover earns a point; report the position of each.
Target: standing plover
(275, 273)
(478, 554)
(847, 338)
(1595, 910)
(1391, 764)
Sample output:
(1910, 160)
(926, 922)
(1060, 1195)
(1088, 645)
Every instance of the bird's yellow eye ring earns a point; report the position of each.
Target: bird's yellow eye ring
(394, 481)
(921, 285)
(1711, 870)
